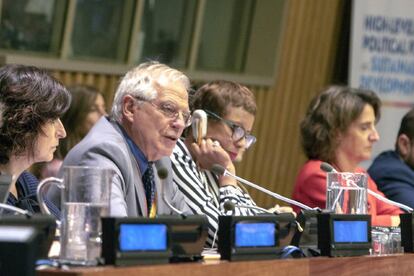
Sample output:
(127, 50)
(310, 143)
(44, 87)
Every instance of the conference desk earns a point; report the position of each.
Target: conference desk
(402, 264)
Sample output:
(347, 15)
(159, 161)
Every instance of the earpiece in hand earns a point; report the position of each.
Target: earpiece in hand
(199, 125)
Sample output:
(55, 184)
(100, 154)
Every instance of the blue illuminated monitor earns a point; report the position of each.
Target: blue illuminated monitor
(255, 234)
(350, 231)
(143, 237)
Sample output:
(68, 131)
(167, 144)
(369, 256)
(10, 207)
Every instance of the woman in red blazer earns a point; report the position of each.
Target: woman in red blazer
(339, 128)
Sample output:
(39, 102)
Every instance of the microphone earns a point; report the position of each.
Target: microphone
(15, 209)
(220, 170)
(229, 206)
(328, 169)
(162, 172)
(5, 183)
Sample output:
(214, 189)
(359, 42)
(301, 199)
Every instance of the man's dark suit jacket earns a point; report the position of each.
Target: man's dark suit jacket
(393, 177)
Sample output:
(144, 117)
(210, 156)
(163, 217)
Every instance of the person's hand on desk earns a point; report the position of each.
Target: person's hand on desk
(286, 239)
(282, 209)
(395, 221)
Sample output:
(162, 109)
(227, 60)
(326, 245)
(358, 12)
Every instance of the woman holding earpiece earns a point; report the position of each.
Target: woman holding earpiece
(230, 109)
(31, 102)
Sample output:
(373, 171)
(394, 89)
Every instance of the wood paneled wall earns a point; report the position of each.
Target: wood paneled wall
(105, 83)
(307, 56)
(309, 42)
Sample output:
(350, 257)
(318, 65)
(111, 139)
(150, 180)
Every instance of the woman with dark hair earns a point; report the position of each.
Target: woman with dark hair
(31, 103)
(86, 108)
(231, 110)
(339, 128)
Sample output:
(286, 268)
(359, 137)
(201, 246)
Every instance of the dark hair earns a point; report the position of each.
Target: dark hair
(83, 99)
(217, 96)
(29, 97)
(331, 113)
(407, 127)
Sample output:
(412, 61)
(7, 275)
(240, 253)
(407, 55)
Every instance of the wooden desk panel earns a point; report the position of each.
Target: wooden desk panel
(383, 265)
(367, 265)
(262, 268)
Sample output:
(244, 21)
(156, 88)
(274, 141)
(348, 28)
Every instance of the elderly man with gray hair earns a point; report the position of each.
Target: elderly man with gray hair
(149, 113)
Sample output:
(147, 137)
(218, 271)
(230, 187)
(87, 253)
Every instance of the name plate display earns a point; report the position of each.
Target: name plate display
(407, 232)
(139, 240)
(248, 237)
(344, 235)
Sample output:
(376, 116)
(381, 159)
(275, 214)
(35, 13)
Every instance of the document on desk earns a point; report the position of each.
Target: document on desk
(210, 254)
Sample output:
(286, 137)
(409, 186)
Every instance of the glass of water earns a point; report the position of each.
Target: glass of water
(85, 195)
(346, 193)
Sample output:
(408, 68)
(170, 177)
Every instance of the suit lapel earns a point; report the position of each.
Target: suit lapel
(139, 190)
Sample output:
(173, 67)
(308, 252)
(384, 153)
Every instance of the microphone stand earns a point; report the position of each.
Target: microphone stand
(275, 195)
(15, 209)
(163, 174)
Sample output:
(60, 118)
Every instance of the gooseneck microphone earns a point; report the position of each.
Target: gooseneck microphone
(163, 174)
(328, 168)
(15, 209)
(6, 181)
(220, 170)
(229, 206)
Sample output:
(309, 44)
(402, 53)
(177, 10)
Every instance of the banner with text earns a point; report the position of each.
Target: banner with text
(382, 59)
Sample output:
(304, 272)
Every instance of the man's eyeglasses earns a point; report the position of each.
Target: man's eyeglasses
(170, 111)
(238, 131)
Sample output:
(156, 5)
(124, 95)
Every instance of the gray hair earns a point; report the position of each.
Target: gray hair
(141, 82)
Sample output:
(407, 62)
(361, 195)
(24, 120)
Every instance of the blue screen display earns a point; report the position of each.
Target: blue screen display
(255, 234)
(143, 237)
(350, 231)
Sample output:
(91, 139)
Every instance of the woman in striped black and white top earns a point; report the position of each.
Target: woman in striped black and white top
(231, 109)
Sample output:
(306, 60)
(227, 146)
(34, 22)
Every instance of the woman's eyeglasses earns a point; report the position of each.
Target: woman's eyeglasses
(238, 131)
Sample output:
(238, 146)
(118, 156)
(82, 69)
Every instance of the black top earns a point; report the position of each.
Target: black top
(26, 186)
(393, 177)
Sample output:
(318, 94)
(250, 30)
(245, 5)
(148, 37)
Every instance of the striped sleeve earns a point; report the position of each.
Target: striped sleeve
(202, 192)
(241, 200)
